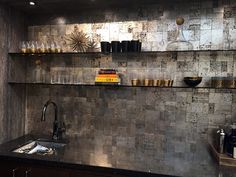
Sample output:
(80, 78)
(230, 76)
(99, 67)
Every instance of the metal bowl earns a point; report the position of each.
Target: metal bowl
(192, 81)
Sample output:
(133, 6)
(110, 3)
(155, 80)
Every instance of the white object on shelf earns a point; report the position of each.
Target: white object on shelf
(234, 153)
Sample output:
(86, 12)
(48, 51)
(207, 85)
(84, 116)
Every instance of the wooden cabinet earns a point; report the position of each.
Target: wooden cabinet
(10, 169)
(84, 174)
(7, 170)
(19, 169)
(45, 172)
(76, 173)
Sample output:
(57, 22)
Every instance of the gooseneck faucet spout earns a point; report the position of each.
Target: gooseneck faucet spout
(55, 134)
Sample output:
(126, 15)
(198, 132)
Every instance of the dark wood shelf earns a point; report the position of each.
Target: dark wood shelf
(115, 85)
(121, 53)
(62, 53)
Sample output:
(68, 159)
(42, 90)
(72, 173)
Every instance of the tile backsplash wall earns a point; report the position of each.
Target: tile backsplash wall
(149, 128)
(208, 25)
(164, 124)
(203, 109)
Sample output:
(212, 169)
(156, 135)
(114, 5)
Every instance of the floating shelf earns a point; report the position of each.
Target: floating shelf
(121, 53)
(57, 54)
(113, 85)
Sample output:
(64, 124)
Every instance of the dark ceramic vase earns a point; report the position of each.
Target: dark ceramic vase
(115, 46)
(125, 45)
(105, 47)
(140, 47)
(134, 46)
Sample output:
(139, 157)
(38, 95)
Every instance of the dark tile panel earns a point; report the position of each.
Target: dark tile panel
(13, 30)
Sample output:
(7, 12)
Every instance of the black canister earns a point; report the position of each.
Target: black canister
(105, 47)
(140, 47)
(125, 45)
(231, 142)
(115, 46)
(134, 46)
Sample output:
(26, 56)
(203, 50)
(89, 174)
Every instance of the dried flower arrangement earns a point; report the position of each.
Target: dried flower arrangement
(92, 46)
(79, 41)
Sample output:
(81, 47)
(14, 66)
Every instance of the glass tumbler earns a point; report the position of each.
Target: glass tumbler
(23, 47)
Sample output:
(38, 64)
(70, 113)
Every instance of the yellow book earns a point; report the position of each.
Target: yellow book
(107, 79)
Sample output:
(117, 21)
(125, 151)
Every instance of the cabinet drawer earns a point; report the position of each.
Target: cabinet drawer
(92, 174)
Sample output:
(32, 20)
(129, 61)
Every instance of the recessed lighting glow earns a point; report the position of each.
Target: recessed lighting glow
(32, 3)
(60, 20)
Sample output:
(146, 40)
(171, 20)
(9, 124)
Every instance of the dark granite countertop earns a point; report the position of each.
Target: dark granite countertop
(78, 154)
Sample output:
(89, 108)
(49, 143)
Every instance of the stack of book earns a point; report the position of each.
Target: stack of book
(107, 77)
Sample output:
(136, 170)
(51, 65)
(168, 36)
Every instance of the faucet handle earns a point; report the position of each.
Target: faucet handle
(62, 130)
(62, 126)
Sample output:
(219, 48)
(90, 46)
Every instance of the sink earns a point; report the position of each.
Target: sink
(40, 147)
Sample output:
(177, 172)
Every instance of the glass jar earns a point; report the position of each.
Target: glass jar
(38, 72)
(23, 47)
(180, 43)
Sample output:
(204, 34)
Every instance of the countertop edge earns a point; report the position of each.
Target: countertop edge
(13, 157)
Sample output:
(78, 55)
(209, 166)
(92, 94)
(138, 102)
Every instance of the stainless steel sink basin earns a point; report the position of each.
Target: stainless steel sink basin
(40, 147)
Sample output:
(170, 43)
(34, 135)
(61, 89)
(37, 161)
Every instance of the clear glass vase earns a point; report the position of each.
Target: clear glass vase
(180, 43)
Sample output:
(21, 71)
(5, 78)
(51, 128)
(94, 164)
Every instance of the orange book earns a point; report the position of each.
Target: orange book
(108, 75)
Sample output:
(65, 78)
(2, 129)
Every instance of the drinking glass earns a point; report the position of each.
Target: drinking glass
(32, 47)
(23, 47)
(58, 48)
(53, 47)
(37, 47)
(28, 47)
(54, 77)
(63, 77)
(47, 48)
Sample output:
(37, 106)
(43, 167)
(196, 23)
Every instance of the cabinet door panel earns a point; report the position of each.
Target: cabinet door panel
(85, 174)
(9, 170)
(46, 172)
(92, 174)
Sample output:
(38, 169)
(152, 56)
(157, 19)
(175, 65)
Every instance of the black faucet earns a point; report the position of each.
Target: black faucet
(57, 131)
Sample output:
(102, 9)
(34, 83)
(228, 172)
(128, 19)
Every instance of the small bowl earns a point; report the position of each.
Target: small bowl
(192, 81)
